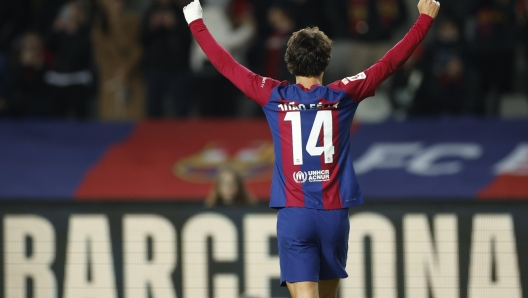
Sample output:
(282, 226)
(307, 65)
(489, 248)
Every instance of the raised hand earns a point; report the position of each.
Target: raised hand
(429, 7)
(193, 11)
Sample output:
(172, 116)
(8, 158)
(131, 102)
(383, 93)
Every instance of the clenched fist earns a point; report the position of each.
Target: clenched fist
(429, 7)
(193, 11)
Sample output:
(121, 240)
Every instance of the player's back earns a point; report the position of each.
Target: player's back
(311, 134)
(311, 128)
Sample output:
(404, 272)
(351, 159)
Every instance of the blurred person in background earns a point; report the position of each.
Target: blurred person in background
(450, 83)
(405, 83)
(447, 40)
(27, 93)
(450, 90)
(71, 77)
(118, 55)
(456, 9)
(283, 25)
(229, 190)
(493, 27)
(341, 65)
(373, 24)
(274, 29)
(238, 11)
(166, 41)
(215, 94)
(15, 18)
(263, 30)
(306, 13)
(363, 31)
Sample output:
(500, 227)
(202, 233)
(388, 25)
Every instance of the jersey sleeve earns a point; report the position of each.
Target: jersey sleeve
(364, 84)
(255, 87)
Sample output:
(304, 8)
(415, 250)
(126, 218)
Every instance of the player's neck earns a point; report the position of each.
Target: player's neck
(308, 82)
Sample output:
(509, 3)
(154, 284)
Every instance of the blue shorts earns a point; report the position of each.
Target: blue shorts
(313, 244)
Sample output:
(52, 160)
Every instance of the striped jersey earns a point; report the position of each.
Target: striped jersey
(311, 137)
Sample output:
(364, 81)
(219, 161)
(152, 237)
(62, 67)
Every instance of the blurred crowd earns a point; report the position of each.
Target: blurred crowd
(99, 59)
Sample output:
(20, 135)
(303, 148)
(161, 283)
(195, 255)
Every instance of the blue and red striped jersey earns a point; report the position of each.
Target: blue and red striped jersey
(311, 136)
(311, 127)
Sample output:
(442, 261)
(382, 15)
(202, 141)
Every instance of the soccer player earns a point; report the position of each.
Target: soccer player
(313, 181)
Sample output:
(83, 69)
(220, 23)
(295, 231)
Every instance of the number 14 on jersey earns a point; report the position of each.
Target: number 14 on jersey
(323, 121)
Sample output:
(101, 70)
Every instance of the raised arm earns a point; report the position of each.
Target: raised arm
(364, 85)
(252, 85)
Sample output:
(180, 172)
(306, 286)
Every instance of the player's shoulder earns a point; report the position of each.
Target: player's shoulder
(272, 83)
(348, 81)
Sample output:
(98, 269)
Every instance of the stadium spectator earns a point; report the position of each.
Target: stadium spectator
(306, 13)
(282, 24)
(263, 30)
(373, 23)
(362, 32)
(15, 18)
(166, 42)
(405, 83)
(229, 190)
(238, 11)
(118, 54)
(449, 91)
(215, 94)
(267, 53)
(493, 38)
(341, 64)
(449, 82)
(456, 9)
(71, 78)
(29, 93)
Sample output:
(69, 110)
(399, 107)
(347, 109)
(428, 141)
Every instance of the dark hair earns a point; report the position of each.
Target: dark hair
(242, 197)
(308, 52)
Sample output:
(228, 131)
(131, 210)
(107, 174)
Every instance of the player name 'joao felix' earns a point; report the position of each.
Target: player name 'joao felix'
(293, 106)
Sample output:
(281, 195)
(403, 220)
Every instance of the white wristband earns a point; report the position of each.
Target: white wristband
(193, 11)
